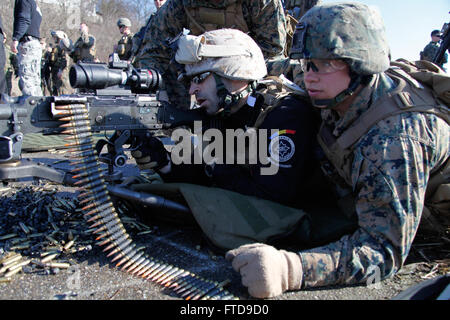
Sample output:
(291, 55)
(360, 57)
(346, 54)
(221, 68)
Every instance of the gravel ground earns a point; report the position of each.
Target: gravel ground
(92, 277)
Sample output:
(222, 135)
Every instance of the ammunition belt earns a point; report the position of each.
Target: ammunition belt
(107, 226)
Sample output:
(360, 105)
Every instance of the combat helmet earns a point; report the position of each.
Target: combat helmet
(227, 53)
(124, 22)
(350, 31)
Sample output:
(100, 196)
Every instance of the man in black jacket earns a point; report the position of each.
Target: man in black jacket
(25, 42)
(222, 80)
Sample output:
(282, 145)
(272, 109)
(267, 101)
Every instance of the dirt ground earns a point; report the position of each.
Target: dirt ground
(91, 276)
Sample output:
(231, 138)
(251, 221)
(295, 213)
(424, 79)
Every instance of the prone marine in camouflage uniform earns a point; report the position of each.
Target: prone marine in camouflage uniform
(384, 166)
(84, 48)
(431, 49)
(125, 44)
(264, 20)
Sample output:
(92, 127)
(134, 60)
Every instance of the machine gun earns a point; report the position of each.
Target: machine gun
(445, 44)
(117, 98)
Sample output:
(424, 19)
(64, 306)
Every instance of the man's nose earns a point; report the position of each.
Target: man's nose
(310, 76)
(193, 89)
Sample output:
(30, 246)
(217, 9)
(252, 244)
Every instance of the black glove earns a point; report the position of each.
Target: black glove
(151, 155)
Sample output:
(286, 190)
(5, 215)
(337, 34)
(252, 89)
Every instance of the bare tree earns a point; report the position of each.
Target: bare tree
(100, 15)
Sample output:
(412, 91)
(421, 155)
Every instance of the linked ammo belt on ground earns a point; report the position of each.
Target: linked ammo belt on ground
(106, 225)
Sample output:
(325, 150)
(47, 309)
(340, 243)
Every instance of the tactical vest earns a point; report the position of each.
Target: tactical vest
(82, 53)
(53, 55)
(409, 96)
(215, 14)
(124, 47)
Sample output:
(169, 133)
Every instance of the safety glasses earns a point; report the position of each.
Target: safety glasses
(322, 66)
(199, 78)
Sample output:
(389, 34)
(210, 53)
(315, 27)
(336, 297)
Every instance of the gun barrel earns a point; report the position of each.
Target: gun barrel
(147, 199)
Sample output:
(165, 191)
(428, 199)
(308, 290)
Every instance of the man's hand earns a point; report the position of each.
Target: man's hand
(14, 45)
(151, 155)
(266, 271)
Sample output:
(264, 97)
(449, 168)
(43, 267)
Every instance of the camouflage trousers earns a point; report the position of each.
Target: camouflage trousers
(29, 58)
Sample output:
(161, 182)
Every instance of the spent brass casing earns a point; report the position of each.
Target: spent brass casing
(49, 257)
(61, 265)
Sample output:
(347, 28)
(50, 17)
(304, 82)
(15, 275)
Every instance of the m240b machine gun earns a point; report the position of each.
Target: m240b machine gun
(116, 97)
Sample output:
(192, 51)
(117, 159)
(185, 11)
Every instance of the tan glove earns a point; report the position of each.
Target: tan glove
(266, 271)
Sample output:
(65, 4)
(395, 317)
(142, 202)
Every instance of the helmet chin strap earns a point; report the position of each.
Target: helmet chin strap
(355, 81)
(228, 99)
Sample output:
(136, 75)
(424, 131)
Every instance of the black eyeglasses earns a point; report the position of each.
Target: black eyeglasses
(200, 77)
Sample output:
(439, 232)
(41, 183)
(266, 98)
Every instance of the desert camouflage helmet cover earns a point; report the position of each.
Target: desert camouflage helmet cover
(228, 53)
(343, 30)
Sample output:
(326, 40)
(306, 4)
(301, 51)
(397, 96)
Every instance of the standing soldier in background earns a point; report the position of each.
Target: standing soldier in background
(431, 49)
(60, 64)
(84, 47)
(45, 68)
(25, 42)
(11, 73)
(263, 20)
(2, 59)
(294, 10)
(123, 48)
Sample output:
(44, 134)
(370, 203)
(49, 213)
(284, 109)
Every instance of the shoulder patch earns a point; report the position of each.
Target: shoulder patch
(281, 146)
